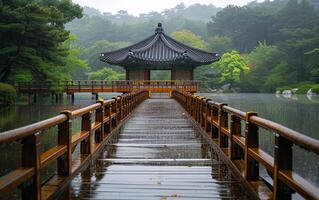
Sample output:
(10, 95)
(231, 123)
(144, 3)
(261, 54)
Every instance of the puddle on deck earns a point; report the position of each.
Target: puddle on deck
(157, 155)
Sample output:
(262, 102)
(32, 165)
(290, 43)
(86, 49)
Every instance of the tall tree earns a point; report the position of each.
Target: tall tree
(187, 37)
(32, 33)
(232, 67)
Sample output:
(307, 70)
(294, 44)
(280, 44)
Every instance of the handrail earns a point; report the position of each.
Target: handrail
(243, 148)
(19, 133)
(109, 114)
(95, 86)
(297, 138)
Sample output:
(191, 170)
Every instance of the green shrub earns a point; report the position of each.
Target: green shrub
(303, 89)
(8, 94)
(315, 88)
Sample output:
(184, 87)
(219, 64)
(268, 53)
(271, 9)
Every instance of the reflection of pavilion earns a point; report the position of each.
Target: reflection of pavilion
(159, 52)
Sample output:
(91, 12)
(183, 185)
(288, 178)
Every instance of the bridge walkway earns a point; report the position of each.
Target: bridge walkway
(157, 155)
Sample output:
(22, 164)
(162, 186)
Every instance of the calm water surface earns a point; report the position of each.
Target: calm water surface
(299, 113)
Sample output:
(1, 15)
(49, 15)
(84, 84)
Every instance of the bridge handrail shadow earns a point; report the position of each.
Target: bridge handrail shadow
(94, 134)
(223, 124)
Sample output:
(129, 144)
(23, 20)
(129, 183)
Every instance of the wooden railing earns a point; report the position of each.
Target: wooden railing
(243, 148)
(93, 135)
(96, 86)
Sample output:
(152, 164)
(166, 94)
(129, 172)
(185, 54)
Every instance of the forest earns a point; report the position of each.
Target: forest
(265, 46)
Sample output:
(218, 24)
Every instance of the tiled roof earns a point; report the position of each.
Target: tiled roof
(159, 50)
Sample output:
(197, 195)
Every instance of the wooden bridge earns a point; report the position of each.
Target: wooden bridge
(98, 86)
(136, 147)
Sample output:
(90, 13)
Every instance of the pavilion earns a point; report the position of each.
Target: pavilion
(159, 52)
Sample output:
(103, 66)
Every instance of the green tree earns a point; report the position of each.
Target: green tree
(312, 58)
(232, 66)
(74, 66)
(189, 38)
(219, 44)
(106, 74)
(269, 69)
(32, 33)
(92, 53)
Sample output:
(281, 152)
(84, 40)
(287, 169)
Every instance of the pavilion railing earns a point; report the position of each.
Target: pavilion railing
(242, 148)
(108, 86)
(94, 133)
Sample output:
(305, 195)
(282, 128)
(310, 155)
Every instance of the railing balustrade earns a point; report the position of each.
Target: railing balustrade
(95, 86)
(243, 148)
(92, 137)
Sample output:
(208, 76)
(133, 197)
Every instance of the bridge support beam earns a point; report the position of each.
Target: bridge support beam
(96, 95)
(32, 98)
(70, 97)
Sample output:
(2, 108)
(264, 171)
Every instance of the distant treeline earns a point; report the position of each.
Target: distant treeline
(281, 38)
(278, 40)
(94, 25)
(265, 46)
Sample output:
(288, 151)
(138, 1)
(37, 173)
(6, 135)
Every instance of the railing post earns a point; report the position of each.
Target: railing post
(86, 145)
(251, 141)
(120, 108)
(115, 110)
(214, 116)
(236, 152)
(202, 116)
(31, 158)
(99, 117)
(222, 123)
(283, 161)
(208, 125)
(65, 138)
(106, 124)
(110, 117)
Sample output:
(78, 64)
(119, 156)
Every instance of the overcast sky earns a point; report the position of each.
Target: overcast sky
(136, 7)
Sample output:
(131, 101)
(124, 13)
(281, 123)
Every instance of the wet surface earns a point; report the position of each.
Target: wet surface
(157, 155)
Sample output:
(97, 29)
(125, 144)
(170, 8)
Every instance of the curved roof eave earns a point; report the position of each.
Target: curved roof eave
(159, 49)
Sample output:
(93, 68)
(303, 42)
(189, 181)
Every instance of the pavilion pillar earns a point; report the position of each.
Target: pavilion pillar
(147, 74)
(173, 74)
(127, 75)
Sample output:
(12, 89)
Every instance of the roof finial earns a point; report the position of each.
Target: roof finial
(159, 28)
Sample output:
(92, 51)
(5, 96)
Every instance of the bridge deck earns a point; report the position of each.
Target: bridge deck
(157, 155)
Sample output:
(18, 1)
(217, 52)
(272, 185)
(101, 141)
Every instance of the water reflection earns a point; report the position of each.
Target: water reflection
(300, 112)
(20, 115)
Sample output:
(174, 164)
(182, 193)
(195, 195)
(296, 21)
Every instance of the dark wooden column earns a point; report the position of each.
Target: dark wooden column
(173, 74)
(127, 75)
(147, 74)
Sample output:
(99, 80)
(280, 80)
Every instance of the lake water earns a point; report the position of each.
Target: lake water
(299, 113)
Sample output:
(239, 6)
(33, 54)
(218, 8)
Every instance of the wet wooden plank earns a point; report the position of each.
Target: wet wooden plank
(158, 155)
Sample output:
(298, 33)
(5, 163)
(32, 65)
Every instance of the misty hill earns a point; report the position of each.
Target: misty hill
(122, 26)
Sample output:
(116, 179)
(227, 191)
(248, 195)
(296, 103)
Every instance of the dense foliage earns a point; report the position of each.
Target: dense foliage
(281, 38)
(106, 74)
(33, 39)
(7, 94)
(232, 67)
(122, 26)
(267, 46)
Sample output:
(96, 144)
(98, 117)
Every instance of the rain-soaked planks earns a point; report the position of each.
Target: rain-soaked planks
(157, 155)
